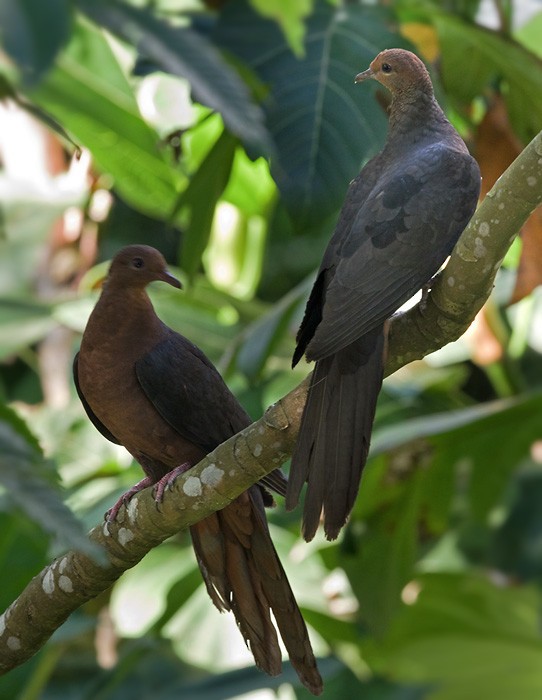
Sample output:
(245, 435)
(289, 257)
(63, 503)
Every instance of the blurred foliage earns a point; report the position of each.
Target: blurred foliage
(225, 134)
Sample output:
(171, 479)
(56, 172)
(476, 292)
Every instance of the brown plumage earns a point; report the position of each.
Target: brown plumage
(400, 220)
(150, 389)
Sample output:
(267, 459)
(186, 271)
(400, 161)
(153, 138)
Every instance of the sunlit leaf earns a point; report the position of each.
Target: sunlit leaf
(88, 93)
(27, 477)
(529, 34)
(181, 51)
(290, 16)
(196, 207)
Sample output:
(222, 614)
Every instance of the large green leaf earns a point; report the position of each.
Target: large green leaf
(323, 125)
(88, 93)
(473, 440)
(21, 324)
(473, 55)
(196, 206)
(430, 463)
(385, 557)
(261, 338)
(27, 478)
(290, 17)
(32, 32)
(468, 638)
(183, 52)
(515, 545)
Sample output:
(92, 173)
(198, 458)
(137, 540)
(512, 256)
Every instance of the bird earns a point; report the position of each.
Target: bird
(145, 386)
(400, 219)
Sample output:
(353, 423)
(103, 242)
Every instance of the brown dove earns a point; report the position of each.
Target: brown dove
(150, 389)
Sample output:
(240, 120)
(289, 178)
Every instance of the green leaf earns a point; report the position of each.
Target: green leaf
(386, 553)
(240, 682)
(323, 125)
(331, 627)
(24, 543)
(183, 52)
(261, 338)
(151, 584)
(17, 439)
(473, 55)
(289, 15)
(89, 95)
(470, 440)
(22, 324)
(468, 638)
(479, 449)
(432, 461)
(236, 250)
(394, 436)
(27, 478)
(196, 206)
(250, 187)
(529, 34)
(32, 33)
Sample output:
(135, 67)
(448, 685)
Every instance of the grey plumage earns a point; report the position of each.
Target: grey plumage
(401, 218)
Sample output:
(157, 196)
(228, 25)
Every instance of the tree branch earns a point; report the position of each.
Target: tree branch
(449, 308)
(467, 280)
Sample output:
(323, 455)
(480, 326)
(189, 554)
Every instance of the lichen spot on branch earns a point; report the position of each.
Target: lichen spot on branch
(65, 584)
(124, 536)
(48, 582)
(132, 508)
(211, 475)
(14, 643)
(192, 486)
(480, 250)
(483, 229)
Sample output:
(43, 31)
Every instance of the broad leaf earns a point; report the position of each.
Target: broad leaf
(22, 324)
(88, 93)
(27, 478)
(196, 206)
(385, 556)
(183, 52)
(33, 33)
(468, 638)
(469, 440)
(472, 56)
(290, 17)
(323, 125)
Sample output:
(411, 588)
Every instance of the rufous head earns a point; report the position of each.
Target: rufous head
(399, 71)
(137, 266)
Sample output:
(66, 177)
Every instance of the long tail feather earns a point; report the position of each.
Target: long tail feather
(335, 433)
(243, 574)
